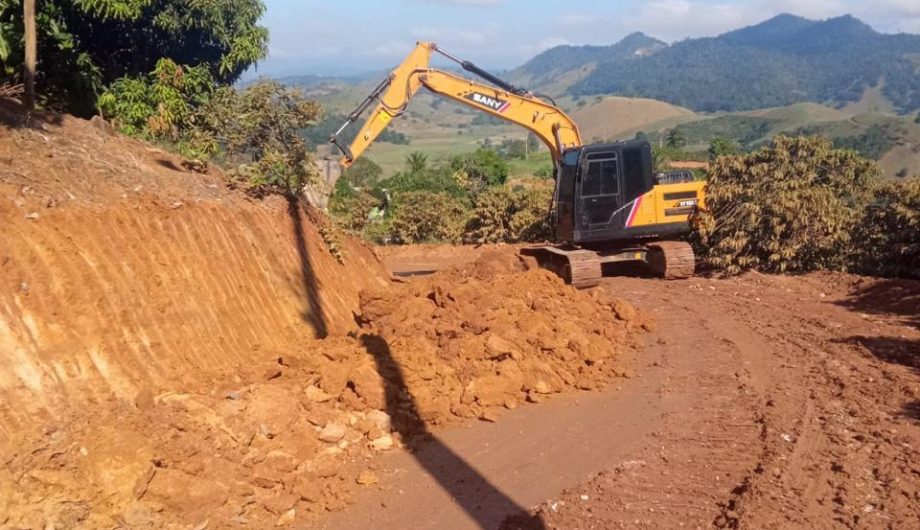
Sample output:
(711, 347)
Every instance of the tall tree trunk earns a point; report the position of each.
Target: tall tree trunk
(28, 8)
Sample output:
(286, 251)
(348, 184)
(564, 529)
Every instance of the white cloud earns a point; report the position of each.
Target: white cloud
(576, 20)
(677, 19)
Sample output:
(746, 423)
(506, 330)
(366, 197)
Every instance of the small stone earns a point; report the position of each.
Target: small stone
(624, 310)
(32, 216)
(384, 443)
(381, 419)
(489, 415)
(287, 518)
(367, 478)
(332, 432)
(234, 395)
(542, 387)
(316, 394)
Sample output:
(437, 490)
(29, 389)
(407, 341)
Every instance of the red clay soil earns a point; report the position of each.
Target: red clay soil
(162, 366)
(758, 402)
(177, 354)
(793, 403)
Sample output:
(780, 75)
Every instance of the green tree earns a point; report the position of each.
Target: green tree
(479, 169)
(676, 139)
(364, 173)
(161, 105)
(259, 127)
(721, 147)
(416, 162)
(641, 136)
(85, 45)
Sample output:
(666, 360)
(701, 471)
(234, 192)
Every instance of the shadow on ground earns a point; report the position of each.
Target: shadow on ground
(478, 497)
(892, 297)
(15, 116)
(911, 410)
(313, 312)
(894, 350)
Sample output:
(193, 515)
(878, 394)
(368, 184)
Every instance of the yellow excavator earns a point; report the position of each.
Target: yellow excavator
(609, 206)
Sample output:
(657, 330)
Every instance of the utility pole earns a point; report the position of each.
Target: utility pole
(28, 9)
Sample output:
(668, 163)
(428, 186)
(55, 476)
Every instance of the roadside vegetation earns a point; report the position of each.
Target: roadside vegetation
(466, 198)
(800, 205)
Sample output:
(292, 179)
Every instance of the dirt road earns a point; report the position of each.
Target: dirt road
(759, 402)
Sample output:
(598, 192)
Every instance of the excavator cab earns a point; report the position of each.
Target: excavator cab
(596, 187)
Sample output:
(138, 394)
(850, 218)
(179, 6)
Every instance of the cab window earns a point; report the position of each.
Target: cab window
(600, 175)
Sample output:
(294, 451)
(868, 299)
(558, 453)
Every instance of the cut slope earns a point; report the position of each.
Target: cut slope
(123, 274)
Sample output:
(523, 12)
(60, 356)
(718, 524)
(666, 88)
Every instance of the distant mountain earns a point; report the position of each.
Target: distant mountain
(781, 61)
(570, 64)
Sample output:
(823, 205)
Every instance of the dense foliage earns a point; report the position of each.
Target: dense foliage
(548, 66)
(462, 198)
(781, 61)
(86, 45)
(161, 105)
(421, 216)
(889, 235)
(260, 128)
(504, 215)
(874, 143)
(790, 207)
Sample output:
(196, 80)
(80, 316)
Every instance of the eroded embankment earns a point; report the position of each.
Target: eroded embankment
(122, 274)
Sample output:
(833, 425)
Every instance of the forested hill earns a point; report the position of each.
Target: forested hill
(572, 63)
(784, 60)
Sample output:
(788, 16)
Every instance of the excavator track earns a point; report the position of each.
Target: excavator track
(579, 268)
(585, 269)
(672, 260)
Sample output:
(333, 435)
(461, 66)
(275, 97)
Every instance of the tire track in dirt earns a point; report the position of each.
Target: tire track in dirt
(819, 415)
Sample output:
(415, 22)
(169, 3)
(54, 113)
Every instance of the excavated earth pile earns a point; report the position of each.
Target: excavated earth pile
(176, 354)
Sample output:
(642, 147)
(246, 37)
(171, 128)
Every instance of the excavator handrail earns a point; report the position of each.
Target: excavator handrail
(501, 99)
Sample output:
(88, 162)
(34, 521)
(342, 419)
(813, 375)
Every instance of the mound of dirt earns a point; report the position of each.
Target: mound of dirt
(489, 335)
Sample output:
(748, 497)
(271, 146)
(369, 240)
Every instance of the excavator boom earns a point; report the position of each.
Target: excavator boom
(500, 99)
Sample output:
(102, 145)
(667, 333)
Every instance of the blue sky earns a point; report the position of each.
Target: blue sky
(347, 36)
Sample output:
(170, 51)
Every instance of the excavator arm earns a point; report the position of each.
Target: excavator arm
(392, 96)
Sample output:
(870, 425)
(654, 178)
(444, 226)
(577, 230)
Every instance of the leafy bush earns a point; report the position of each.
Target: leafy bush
(85, 45)
(354, 212)
(259, 126)
(479, 169)
(503, 215)
(161, 105)
(790, 207)
(420, 216)
(889, 234)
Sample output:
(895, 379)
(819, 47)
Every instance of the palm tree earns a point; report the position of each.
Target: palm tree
(676, 139)
(416, 162)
